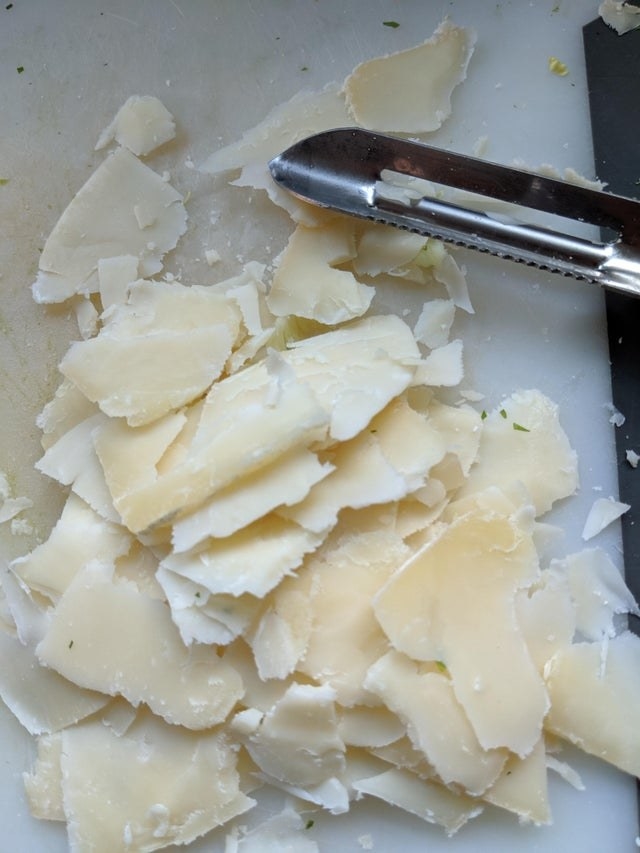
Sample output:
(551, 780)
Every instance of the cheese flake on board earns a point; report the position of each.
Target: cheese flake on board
(603, 512)
(141, 124)
(306, 282)
(100, 222)
(109, 637)
(436, 723)
(523, 440)
(426, 75)
(454, 601)
(156, 785)
(595, 699)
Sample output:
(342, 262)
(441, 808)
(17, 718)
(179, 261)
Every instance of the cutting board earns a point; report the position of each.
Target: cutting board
(219, 66)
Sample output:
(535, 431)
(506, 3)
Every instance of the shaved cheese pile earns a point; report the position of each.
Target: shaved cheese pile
(285, 558)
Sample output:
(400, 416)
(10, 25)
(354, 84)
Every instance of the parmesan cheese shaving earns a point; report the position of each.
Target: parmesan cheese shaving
(425, 75)
(141, 124)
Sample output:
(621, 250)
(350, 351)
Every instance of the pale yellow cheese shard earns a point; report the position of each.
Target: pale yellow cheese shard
(303, 115)
(454, 602)
(100, 222)
(603, 512)
(443, 366)
(114, 277)
(202, 617)
(281, 636)
(362, 476)
(522, 440)
(383, 248)
(80, 535)
(595, 699)
(428, 800)
(156, 786)
(622, 17)
(286, 831)
(307, 283)
(72, 461)
(385, 462)
(547, 616)
(249, 433)
(369, 727)
(357, 369)
(43, 784)
(141, 124)
(434, 323)
(39, 698)
(66, 409)
(436, 722)
(129, 456)
(253, 560)
(522, 787)
(155, 353)
(402, 754)
(108, 636)
(598, 591)
(143, 378)
(304, 715)
(285, 481)
(426, 76)
(345, 637)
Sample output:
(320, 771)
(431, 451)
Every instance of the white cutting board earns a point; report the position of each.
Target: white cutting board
(219, 65)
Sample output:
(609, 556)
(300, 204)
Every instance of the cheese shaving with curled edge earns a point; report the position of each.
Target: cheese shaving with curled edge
(286, 559)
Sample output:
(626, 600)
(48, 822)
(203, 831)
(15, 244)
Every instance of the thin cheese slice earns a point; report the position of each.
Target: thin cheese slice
(522, 440)
(155, 353)
(251, 432)
(522, 787)
(436, 722)
(114, 277)
(598, 591)
(153, 787)
(141, 124)
(72, 461)
(306, 282)
(285, 481)
(253, 560)
(43, 785)
(425, 75)
(66, 409)
(595, 699)
(427, 800)
(305, 114)
(345, 638)
(100, 222)
(40, 699)
(80, 535)
(305, 714)
(547, 616)
(454, 601)
(110, 637)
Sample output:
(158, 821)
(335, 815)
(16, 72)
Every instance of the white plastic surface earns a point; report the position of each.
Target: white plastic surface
(219, 65)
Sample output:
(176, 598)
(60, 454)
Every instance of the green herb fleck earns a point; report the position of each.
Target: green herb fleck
(520, 428)
(198, 594)
(70, 644)
(393, 24)
(441, 665)
(304, 68)
(4, 182)
(9, 6)
(555, 9)
(503, 414)
(20, 69)
(483, 415)
(309, 824)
